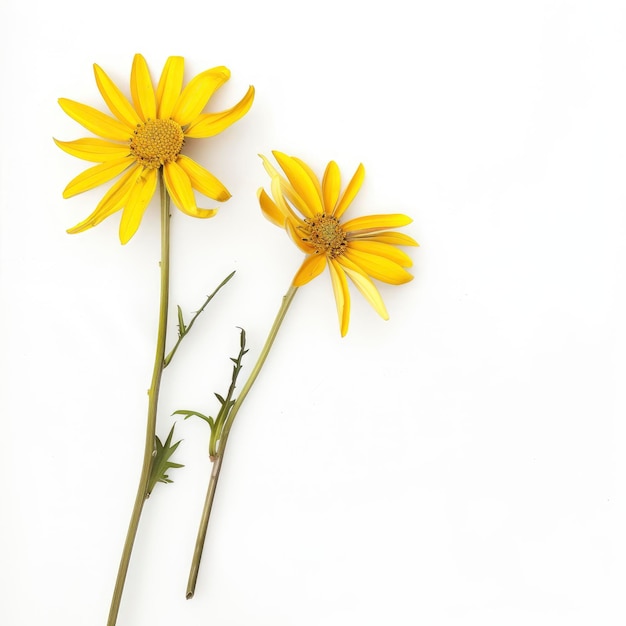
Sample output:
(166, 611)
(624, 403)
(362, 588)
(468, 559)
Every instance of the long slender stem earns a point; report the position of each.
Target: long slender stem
(153, 397)
(217, 464)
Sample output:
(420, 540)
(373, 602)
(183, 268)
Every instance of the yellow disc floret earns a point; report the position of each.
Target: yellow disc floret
(326, 235)
(157, 142)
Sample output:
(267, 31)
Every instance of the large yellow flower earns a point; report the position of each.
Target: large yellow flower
(360, 249)
(146, 136)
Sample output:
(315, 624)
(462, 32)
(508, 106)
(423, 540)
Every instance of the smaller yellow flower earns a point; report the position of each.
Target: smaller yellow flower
(360, 249)
(147, 136)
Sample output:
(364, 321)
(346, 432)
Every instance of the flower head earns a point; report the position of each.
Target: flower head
(146, 136)
(360, 249)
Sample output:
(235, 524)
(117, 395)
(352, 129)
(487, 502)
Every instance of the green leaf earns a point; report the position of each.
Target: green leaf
(181, 322)
(188, 414)
(228, 402)
(161, 462)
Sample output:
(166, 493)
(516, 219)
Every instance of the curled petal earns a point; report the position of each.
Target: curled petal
(92, 149)
(378, 267)
(141, 89)
(270, 210)
(116, 101)
(199, 213)
(96, 175)
(169, 87)
(269, 168)
(136, 203)
(203, 180)
(311, 267)
(351, 190)
(97, 122)
(197, 93)
(210, 124)
(382, 249)
(342, 295)
(365, 286)
(179, 187)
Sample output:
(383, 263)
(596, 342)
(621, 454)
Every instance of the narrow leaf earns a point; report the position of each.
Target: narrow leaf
(181, 322)
(161, 463)
(188, 414)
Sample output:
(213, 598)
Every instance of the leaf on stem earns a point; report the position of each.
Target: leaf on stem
(183, 329)
(187, 414)
(226, 403)
(161, 462)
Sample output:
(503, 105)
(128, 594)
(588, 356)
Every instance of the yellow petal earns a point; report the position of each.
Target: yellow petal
(287, 192)
(136, 204)
(116, 101)
(97, 122)
(311, 174)
(311, 267)
(199, 213)
(281, 189)
(301, 183)
(378, 267)
(169, 87)
(112, 201)
(96, 150)
(203, 180)
(197, 93)
(390, 237)
(382, 249)
(278, 191)
(269, 209)
(269, 168)
(342, 295)
(331, 186)
(141, 89)
(351, 190)
(179, 187)
(210, 124)
(365, 286)
(374, 223)
(96, 175)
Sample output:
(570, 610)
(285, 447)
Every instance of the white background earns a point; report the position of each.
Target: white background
(463, 463)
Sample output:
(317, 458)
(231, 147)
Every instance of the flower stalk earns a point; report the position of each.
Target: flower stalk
(221, 448)
(153, 397)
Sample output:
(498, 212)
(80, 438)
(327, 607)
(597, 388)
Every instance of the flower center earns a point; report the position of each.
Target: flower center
(326, 235)
(157, 142)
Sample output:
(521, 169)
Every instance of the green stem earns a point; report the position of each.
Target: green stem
(217, 464)
(153, 397)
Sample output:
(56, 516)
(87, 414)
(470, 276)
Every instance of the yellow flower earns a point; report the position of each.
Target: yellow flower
(360, 249)
(144, 137)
